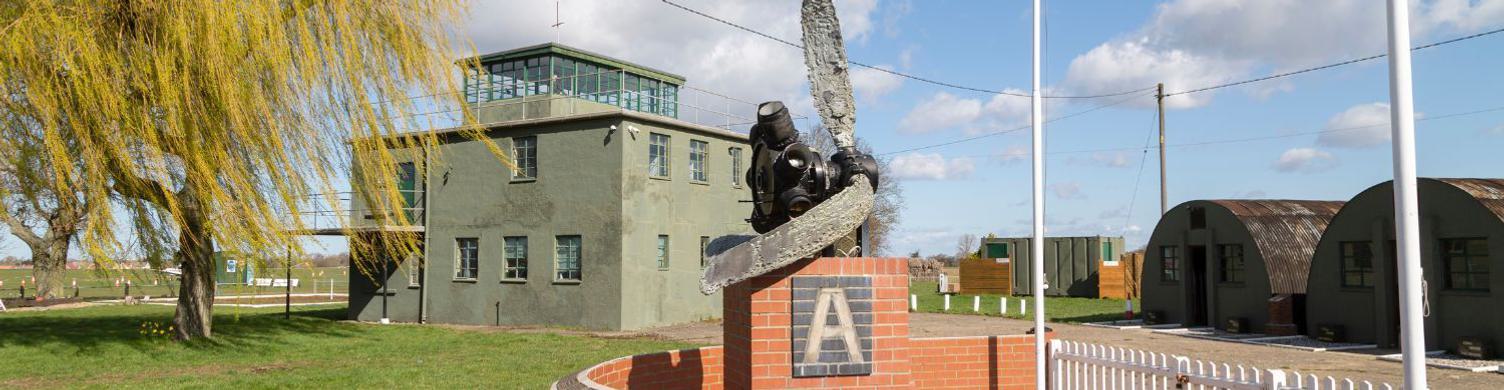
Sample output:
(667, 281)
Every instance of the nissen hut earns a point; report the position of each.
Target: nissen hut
(1354, 284)
(1238, 265)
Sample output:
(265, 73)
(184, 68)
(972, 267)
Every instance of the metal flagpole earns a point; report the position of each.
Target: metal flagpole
(1406, 206)
(1036, 247)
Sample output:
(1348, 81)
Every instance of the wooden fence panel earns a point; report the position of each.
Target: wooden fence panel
(986, 276)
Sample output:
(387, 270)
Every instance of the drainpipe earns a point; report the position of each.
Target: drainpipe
(423, 271)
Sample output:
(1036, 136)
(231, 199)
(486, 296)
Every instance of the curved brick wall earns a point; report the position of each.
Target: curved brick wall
(936, 363)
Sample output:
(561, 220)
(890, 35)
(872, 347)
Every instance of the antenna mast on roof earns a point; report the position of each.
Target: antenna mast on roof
(557, 31)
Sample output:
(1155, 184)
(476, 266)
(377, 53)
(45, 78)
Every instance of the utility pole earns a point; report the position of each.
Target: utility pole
(1164, 197)
(1406, 203)
(1036, 247)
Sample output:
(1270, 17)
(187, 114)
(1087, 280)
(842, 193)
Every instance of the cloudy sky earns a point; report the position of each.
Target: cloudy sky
(1319, 135)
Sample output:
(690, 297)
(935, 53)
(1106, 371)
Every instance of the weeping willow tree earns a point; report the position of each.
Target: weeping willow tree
(207, 124)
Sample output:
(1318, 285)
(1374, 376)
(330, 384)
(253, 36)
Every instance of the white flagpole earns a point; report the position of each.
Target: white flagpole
(1036, 247)
(1406, 206)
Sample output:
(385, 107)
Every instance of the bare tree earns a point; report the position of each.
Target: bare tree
(966, 246)
(888, 203)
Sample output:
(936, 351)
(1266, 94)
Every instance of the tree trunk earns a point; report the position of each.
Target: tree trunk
(195, 314)
(49, 266)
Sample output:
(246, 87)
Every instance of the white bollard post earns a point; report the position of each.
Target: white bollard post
(976, 304)
(1002, 306)
(913, 302)
(1023, 308)
(947, 302)
(331, 289)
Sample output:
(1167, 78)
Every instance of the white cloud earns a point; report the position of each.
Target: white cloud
(711, 55)
(1005, 111)
(923, 166)
(1465, 15)
(1127, 65)
(1113, 160)
(892, 14)
(1305, 160)
(1195, 43)
(1013, 154)
(1360, 126)
(1068, 190)
(1497, 130)
(940, 112)
(944, 111)
(906, 57)
(870, 84)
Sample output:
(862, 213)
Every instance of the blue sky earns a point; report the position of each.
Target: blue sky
(982, 186)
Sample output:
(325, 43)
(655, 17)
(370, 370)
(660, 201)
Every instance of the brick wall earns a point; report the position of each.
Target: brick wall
(682, 369)
(758, 350)
(935, 363)
(987, 362)
(758, 320)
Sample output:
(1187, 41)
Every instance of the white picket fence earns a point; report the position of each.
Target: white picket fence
(1082, 366)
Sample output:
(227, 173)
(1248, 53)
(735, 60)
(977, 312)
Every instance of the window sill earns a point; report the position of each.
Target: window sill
(567, 282)
(524, 180)
(663, 269)
(464, 280)
(514, 281)
(699, 182)
(664, 178)
(414, 286)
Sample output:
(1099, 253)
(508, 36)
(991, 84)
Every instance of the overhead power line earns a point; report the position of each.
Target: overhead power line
(1288, 135)
(1020, 128)
(1352, 61)
(890, 71)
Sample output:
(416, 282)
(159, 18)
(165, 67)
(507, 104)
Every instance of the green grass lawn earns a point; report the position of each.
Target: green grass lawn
(1057, 309)
(101, 347)
(102, 285)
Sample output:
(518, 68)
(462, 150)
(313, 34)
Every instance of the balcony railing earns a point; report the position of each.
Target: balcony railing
(320, 217)
(508, 100)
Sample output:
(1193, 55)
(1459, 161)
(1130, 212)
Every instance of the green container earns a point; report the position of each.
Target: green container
(233, 268)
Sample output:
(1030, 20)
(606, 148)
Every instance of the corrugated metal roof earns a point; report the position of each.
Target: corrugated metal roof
(1286, 232)
(1488, 192)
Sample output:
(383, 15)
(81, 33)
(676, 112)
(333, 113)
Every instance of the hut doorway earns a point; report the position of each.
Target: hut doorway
(1197, 296)
(1391, 336)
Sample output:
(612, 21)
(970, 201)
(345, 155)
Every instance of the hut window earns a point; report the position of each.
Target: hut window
(1232, 263)
(1357, 264)
(1466, 261)
(1169, 264)
(1198, 218)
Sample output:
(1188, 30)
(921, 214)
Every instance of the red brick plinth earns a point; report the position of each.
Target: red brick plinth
(758, 354)
(758, 324)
